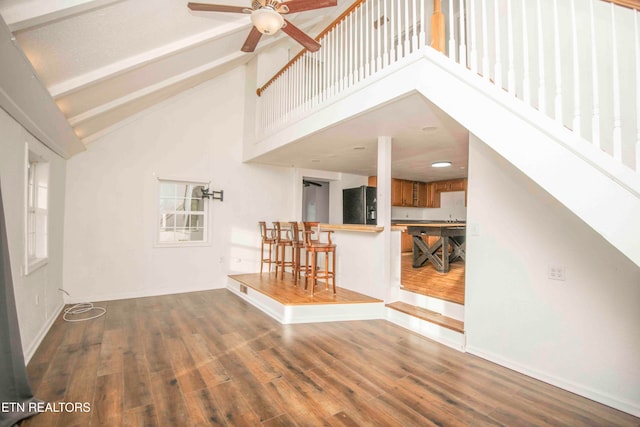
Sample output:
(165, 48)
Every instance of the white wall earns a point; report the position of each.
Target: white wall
(582, 333)
(451, 207)
(42, 284)
(110, 218)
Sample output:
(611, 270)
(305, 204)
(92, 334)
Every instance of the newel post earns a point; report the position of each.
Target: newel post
(437, 28)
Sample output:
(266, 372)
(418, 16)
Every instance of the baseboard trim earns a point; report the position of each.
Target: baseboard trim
(137, 294)
(33, 347)
(629, 407)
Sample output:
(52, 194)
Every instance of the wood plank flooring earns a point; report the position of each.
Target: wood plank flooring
(210, 358)
(428, 281)
(287, 293)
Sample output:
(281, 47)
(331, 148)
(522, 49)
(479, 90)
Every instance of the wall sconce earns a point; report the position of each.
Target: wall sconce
(215, 195)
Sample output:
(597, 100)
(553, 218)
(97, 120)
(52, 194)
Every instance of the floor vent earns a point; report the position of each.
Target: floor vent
(243, 289)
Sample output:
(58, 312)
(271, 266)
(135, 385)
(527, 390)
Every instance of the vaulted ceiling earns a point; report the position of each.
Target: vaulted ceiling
(104, 60)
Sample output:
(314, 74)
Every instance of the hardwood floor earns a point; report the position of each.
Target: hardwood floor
(428, 281)
(286, 292)
(209, 358)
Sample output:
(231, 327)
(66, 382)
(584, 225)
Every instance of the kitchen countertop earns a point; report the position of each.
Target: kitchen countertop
(403, 224)
(352, 227)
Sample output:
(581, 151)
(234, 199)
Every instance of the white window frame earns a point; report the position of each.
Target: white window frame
(158, 242)
(36, 212)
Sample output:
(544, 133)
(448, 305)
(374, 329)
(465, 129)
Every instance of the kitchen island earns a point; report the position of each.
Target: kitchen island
(449, 247)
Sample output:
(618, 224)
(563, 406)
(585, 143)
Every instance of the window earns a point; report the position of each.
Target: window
(183, 214)
(37, 213)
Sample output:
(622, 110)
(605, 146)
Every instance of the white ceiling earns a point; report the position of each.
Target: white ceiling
(421, 134)
(104, 60)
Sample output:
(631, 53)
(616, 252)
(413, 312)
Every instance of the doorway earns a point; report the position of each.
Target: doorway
(315, 200)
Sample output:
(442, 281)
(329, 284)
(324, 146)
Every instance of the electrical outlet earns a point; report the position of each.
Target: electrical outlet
(37, 299)
(557, 272)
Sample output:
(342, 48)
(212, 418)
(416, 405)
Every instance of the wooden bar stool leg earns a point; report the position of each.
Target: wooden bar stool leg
(314, 272)
(261, 256)
(326, 270)
(333, 270)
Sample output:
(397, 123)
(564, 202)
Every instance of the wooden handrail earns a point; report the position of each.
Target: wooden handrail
(324, 32)
(633, 4)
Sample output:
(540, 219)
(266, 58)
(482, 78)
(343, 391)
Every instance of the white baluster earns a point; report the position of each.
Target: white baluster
(511, 74)
(462, 46)
(379, 38)
(617, 121)
(351, 49)
(392, 21)
(558, 64)
(637, 43)
(422, 39)
(367, 43)
(361, 40)
(325, 66)
(414, 33)
(497, 73)
(385, 57)
(576, 72)
(452, 41)
(342, 55)
(399, 46)
(486, 73)
(595, 120)
(473, 53)
(407, 29)
(542, 99)
(526, 89)
(353, 56)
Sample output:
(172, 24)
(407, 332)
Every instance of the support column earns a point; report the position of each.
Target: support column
(384, 213)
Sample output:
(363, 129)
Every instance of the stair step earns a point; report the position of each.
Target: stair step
(428, 315)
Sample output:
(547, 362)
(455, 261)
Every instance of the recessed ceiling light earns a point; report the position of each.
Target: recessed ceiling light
(444, 164)
(429, 128)
(315, 161)
(359, 147)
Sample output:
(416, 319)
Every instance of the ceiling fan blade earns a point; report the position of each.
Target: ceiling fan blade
(204, 7)
(298, 35)
(252, 40)
(294, 6)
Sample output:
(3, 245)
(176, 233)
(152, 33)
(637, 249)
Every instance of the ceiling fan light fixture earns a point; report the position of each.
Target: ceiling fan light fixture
(267, 20)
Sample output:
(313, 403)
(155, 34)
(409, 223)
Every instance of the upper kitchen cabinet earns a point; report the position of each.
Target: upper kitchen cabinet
(418, 194)
(439, 187)
(407, 193)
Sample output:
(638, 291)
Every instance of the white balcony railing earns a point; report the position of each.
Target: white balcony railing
(576, 61)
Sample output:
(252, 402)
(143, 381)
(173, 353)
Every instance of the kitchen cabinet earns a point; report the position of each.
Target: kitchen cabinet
(409, 193)
(439, 187)
(396, 192)
(417, 194)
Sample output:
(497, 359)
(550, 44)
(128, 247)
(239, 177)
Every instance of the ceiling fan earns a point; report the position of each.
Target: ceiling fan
(266, 16)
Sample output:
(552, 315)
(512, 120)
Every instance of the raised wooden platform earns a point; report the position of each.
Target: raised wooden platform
(288, 303)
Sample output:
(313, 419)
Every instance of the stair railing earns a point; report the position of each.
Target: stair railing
(576, 61)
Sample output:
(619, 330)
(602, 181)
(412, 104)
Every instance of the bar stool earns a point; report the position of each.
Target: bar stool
(282, 243)
(313, 248)
(268, 239)
(298, 245)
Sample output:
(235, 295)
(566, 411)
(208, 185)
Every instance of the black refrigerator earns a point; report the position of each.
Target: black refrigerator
(359, 205)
